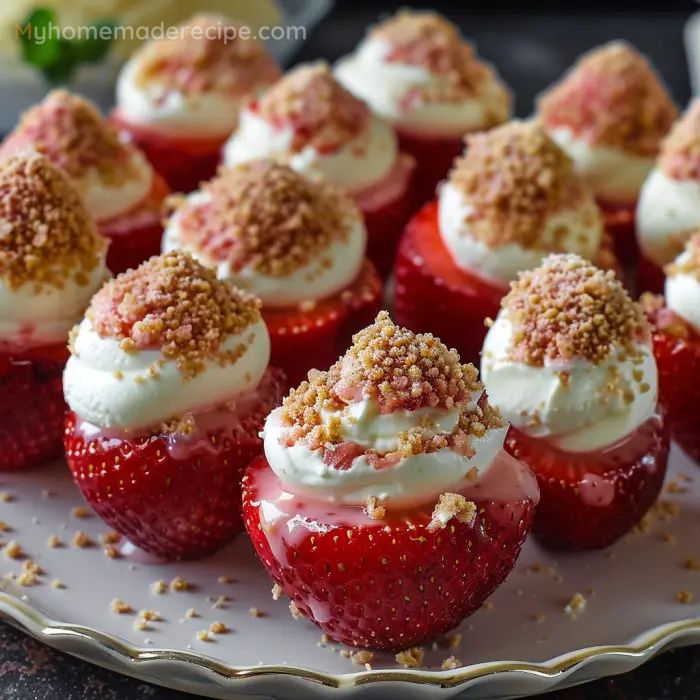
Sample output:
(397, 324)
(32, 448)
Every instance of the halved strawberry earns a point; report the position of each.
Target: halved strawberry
(434, 156)
(434, 295)
(620, 223)
(135, 234)
(314, 337)
(383, 584)
(31, 406)
(386, 207)
(650, 276)
(171, 495)
(183, 161)
(677, 352)
(588, 500)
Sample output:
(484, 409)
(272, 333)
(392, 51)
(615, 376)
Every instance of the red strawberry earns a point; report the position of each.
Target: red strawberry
(434, 295)
(386, 207)
(677, 352)
(173, 498)
(383, 584)
(303, 339)
(135, 235)
(435, 154)
(650, 277)
(588, 500)
(183, 161)
(31, 406)
(620, 223)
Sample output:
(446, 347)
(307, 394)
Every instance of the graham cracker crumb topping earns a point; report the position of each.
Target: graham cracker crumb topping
(689, 263)
(411, 658)
(174, 303)
(567, 308)
(680, 150)
(46, 234)
(72, 134)
(612, 97)
(322, 113)
(207, 55)
(428, 40)
(267, 217)
(515, 177)
(401, 371)
(452, 506)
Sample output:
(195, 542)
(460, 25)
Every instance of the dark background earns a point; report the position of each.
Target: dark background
(531, 43)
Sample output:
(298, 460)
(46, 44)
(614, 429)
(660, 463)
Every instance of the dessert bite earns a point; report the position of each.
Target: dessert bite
(415, 70)
(119, 188)
(570, 364)
(669, 203)
(385, 506)
(675, 321)
(510, 201)
(610, 113)
(310, 122)
(52, 260)
(295, 242)
(178, 97)
(167, 387)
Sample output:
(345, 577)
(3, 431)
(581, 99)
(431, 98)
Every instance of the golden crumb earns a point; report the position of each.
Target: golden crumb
(323, 114)
(452, 506)
(31, 567)
(612, 97)
(454, 640)
(176, 304)
(576, 605)
(669, 538)
(6, 497)
(255, 612)
(374, 509)
(159, 587)
(4, 527)
(428, 40)
(207, 54)
(685, 597)
(110, 537)
(80, 539)
(220, 602)
(689, 263)
(264, 216)
(203, 636)
(141, 625)
(567, 308)
(46, 235)
(150, 615)
(179, 584)
(276, 591)
(28, 578)
(120, 607)
(226, 579)
(80, 512)
(361, 657)
(411, 658)
(294, 611)
(54, 541)
(70, 131)
(218, 628)
(515, 177)
(691, 564)
(13, 550)
(111, 552)
(191, 612)
(450, 663)
(539, 618)
(58, 584)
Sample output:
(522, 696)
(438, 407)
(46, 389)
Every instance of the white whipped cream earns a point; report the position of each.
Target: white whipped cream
(31, 318)
(332, 270)
(387, 87)
(362, 162)
(411, 481)
(682, 294)
(502, 264)
(96, 395)
(614, 175)
(170, 110)
(579, 417)
(667, 209)
(105, 200)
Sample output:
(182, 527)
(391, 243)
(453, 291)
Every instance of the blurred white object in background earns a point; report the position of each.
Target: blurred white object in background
(22, 85)
(692, 48)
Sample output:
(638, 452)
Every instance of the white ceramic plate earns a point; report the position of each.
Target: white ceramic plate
(523, 642)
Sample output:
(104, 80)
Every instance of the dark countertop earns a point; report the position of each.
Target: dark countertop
(530, 50)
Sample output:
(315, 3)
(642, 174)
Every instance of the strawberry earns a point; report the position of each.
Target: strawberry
(314, 337)
(172, 496)
(620, 224)
(677, 352)
(588, 500)
(435, 156)
(384, 584)
(31, 406)
(434, 295)
(135, 235)
(386, 207)
(183, 161)
(650, 276)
